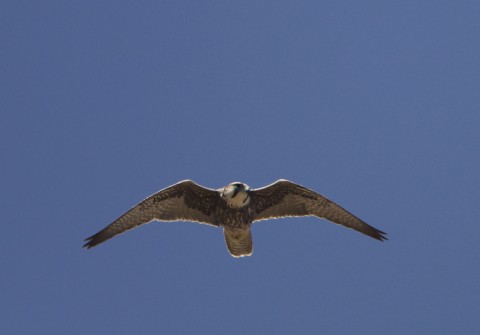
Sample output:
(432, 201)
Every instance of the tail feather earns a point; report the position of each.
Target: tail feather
(239, 242)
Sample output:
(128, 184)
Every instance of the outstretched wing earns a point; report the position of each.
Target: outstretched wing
(284, 198)
(185, 200)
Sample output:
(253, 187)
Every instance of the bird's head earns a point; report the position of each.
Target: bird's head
(236, 194)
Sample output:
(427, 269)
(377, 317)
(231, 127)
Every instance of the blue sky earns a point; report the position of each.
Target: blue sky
(374, 104)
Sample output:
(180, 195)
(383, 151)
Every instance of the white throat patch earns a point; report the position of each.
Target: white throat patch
(240, 200)
(236, 198)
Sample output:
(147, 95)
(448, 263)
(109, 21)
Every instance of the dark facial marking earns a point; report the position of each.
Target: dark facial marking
(246, 198)
(235, 192)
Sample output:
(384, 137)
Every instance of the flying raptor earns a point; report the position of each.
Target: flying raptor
(234, 208)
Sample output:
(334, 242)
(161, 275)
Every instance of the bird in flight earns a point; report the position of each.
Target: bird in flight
(234, 208)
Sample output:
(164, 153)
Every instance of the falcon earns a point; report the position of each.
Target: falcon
(234, 208)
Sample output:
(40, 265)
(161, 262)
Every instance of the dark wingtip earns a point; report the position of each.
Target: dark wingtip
(379, 235)
(92, 241)
(89, 243)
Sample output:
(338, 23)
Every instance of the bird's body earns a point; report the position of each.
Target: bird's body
(234, 208)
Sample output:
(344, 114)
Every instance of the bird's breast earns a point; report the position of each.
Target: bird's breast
(234, 217)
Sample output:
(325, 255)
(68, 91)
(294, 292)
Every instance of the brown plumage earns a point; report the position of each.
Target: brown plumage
(234, 208)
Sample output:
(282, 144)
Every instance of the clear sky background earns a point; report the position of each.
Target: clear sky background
(375, 104)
